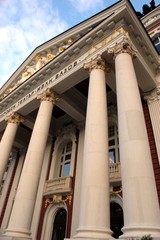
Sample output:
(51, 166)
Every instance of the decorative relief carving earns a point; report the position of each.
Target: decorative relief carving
(14, 118)
(48, 95)
(97, 63)
(152, 19)
(69, 130)
(153, 96)
(107, 40)
(125, 46)
(37, 63)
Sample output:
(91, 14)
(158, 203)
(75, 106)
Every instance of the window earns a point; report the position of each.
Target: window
(11, 158)
(113, 144)
(156, 42)
(65, 160)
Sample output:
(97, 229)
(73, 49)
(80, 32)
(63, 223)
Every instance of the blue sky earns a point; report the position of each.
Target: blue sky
(25, 24)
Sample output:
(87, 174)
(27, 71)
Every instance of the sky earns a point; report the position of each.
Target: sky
(26, 24)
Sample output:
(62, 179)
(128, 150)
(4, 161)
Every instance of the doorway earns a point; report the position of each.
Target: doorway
(59, 225)
(116, 219)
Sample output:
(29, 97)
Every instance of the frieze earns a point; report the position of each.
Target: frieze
(42, 87)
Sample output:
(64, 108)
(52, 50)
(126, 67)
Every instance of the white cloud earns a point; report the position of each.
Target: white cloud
(86, 5)
(24, 25)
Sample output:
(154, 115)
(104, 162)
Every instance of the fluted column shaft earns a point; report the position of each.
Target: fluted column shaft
(94, 209)
(21, 217)
(140, 201)
(7, 140)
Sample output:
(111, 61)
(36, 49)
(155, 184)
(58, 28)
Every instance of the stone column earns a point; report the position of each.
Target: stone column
(94, 208)
(23, 208)
(140, 201)
(153, 100)
(7, 140)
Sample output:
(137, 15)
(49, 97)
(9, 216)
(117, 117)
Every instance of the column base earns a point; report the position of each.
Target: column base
(13, 238)
(136, 232)
(90, 238)
(95, 234)
(16, 234)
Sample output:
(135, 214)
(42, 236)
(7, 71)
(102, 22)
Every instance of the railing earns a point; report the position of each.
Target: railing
(115, 172)
(61, 185)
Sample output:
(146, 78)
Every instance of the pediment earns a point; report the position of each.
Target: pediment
(52, 49)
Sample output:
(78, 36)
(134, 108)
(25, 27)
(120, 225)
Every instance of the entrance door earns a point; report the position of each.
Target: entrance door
(116, 219)
(59, 225)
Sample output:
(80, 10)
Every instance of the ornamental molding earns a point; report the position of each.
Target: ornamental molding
(152, 18)
(97, 63)
(15, 118)
(124, 46)
(153, 96)
(48, 95)
(68, 131)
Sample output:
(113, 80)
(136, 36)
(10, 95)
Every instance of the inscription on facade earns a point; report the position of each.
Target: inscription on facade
(42, 86)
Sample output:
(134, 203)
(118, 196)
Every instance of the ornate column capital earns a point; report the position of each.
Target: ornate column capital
(48, 95)
(153, 96)
(14, 118)
(125, 46)
(97, 63)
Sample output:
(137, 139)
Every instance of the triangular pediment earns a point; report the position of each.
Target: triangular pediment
(50, 50)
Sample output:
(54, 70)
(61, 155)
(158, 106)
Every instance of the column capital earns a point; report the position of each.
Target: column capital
(14, 118)
(153, 96)
(48, 95)
(125, 46)
(97, 63)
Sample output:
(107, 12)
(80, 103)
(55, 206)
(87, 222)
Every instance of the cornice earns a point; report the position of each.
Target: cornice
(151, 18)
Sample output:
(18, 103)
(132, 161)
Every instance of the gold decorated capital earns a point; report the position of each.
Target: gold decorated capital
(48, 95)
(14, 118)
(125, 46)
(97, 63)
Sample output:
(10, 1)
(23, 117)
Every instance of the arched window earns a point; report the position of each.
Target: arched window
(113, 144)
(65, 160)
(12, 157)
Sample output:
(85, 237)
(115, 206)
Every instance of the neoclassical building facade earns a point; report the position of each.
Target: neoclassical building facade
(80, 135)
